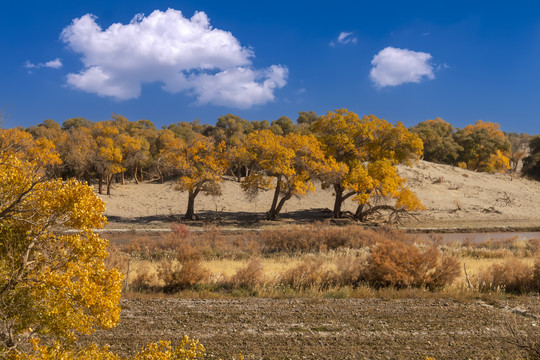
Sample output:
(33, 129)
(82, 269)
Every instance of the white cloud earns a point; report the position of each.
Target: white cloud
(165, 47)
(240, 86)
(392, 67)
(53, 64)
(345, 38)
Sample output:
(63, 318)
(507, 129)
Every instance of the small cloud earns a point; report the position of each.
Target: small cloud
(443, 66)
(53, 64)
(345, 38)
(393, 67)
(301, 90)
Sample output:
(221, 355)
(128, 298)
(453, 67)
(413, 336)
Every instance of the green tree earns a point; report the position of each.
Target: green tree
(307, 117)
(531, 163)
(439, 143)
(76, 123)
(260, 125)
(518, 148)
(285, 124)
(231, 129)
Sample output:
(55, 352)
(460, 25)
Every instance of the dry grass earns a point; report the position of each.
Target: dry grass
(325, 260)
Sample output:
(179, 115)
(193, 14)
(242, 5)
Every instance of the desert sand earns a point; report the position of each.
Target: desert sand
(455, 200)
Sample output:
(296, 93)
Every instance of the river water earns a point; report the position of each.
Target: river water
(477, 237)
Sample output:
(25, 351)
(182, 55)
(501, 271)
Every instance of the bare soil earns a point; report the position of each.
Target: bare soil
(314, 328)
(455, 200)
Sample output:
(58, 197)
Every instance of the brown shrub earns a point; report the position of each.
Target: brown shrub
(310, 273)
(144, 280)
(533, 245)
(215, 245)
(316, 238)
(180, 276)
(501, 248)
(350, 271)
(249, 276)
(536, 274)
(401, 264)
(511, 276)
(156, 248)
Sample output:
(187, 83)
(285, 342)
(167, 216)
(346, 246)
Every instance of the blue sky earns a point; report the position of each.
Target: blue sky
(402, 61)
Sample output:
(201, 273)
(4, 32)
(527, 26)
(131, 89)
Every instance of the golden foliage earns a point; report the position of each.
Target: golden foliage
(50, 283)
(485, 147)
(200, 165)
(288, 164)
(187, 349)
(368, 149)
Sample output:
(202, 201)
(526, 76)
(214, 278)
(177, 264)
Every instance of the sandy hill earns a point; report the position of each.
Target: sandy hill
(454, 198)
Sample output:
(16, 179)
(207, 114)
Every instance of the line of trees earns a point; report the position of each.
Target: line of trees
(354, 156)
(478, 147)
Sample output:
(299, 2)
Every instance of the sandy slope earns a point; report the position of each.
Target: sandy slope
(454, 198)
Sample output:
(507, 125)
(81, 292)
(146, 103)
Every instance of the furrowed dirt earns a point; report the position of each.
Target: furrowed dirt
(313, 328)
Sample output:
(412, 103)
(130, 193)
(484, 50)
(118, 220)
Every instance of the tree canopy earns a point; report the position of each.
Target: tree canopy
(368, 148)
(51, 283)
(288, 164)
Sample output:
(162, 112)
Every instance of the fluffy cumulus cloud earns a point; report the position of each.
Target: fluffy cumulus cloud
(181, 54)
(53, 64)
(393, 67)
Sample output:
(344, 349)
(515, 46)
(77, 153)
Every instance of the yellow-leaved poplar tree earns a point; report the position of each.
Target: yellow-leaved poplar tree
(288, 164)
(53, 283)
(368, 148)
(108, 153)
(200, 165)
(485, 147)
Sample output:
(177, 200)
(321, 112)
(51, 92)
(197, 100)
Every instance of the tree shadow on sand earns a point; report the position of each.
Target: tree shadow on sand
(227, 218)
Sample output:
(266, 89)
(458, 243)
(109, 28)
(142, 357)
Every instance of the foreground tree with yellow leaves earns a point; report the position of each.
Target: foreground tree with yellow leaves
(368, 148)
(52, 283)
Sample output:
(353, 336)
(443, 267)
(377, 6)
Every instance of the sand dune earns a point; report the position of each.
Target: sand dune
(454, 198)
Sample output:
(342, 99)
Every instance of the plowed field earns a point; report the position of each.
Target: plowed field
(308, 328)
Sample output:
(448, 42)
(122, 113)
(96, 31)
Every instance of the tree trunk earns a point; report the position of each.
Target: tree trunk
(142, 178)
(100, 184)
(360, 215)
(275, 213)
(272, 215)
(109, 182)
(338, 201)
(123, 178)
(190, 213)
(135, 175)
(160, 173)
